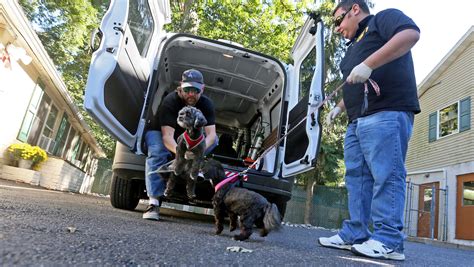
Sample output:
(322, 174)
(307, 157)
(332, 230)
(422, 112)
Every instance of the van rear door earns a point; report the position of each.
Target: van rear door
(120, 68)
(306, 81)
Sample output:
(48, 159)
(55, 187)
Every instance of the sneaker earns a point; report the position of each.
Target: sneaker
(152, 212)
(376, 249)
(334, 241)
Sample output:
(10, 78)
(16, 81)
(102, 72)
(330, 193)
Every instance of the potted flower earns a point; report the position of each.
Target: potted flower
(26, 156)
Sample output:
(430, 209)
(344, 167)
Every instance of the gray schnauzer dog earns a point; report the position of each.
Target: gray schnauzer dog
(250, 207)
(190, 150)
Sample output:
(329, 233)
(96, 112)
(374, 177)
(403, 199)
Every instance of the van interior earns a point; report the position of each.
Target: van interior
(246, 88)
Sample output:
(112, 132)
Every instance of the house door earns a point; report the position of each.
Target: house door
(425, 209)
(465, 207)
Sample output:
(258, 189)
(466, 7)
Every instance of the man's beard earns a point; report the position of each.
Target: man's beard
(191, 101)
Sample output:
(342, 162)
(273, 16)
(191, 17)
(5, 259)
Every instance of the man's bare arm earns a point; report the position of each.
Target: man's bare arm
(168, 138)
(210, 135)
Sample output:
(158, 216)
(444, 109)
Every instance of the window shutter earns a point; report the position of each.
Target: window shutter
(30, 113)
(465, 115)
(432, 127)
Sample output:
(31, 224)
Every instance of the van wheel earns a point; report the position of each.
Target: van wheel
(124, 193)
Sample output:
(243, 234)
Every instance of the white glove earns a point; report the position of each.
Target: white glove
(359, 74)
(332, 115)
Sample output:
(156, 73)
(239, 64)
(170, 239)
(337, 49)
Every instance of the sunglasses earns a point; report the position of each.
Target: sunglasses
(340, 18)
(190, 89)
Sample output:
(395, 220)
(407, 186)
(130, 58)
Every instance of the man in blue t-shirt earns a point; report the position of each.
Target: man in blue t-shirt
(163, 130)
(380, 126)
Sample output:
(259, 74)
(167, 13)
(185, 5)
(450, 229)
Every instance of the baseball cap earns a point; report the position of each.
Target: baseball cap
(192, 78)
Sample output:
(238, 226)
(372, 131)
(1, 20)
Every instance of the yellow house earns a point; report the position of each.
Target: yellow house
(440, 160)
(36, 108)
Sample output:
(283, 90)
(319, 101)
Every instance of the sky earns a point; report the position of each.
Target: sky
(441, 23)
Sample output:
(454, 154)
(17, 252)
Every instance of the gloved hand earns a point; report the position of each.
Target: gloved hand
(359, 74)
(332, 115)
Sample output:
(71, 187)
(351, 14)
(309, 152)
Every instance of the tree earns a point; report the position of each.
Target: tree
(269, 27)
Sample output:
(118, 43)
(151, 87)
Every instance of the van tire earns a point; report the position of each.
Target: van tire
(124, 193)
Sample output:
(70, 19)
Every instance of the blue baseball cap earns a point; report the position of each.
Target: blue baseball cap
(192, 78)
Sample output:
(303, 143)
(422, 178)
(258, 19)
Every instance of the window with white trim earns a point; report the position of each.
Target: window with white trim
(449, 120)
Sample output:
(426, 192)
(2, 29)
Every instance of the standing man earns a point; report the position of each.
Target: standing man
(379, 127)
(163, 131)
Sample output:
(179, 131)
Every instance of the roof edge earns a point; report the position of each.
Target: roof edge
(445, 62)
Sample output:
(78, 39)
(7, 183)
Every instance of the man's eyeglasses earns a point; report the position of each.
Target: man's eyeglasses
(340, 18)
(190, 89)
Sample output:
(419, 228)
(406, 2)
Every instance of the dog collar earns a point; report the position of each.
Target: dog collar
(232, 177)
(192, 143)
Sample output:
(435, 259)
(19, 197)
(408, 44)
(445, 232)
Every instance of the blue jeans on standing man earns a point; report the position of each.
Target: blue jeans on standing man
(158, 155)
(375, 149)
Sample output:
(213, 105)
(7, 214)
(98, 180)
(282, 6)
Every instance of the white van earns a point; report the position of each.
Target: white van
(137, 63)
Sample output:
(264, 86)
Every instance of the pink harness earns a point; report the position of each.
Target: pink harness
(192, 143)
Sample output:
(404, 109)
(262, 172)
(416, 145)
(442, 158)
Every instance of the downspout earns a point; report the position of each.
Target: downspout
(445, 226)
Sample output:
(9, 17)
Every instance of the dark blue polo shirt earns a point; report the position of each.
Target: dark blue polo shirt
(396, 79)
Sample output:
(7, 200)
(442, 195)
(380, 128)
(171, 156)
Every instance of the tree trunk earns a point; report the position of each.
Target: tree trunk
(309, 199)
(189, 18)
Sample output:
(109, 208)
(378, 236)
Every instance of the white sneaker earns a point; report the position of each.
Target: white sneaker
(152, 212)
(334, 241)
(375, 249)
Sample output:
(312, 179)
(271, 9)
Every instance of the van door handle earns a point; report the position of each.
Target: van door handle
(118, 28)
(313, 119)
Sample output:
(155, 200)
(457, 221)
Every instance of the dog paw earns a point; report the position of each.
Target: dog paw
(232, 228)
(219, 230)
(263, 232)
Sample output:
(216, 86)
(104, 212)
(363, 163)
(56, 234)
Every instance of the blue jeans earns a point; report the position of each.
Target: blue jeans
(158, 155)
(375, 149)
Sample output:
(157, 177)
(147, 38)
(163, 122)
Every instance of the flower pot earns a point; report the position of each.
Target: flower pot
(25, 163)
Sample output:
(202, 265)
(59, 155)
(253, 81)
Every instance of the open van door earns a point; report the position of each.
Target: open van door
(306, 85)
(120, 69)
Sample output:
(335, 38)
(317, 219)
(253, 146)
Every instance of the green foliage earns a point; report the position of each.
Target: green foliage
(64, 28)
(270, 27)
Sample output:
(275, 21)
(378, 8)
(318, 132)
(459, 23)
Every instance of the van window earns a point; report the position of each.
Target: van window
(141, 24)
(306, 73)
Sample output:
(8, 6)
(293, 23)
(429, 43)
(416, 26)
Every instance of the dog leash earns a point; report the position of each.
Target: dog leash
(329, 97)
(236, 176)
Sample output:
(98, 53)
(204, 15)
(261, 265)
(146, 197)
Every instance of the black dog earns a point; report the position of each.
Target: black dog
(251, 207)
(190, 150)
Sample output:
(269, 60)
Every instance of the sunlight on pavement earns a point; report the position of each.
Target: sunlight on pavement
(366, 261)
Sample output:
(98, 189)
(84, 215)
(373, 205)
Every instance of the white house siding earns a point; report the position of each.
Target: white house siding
(16, 87)
(59, 175)
(444, 159)
(457, 82)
